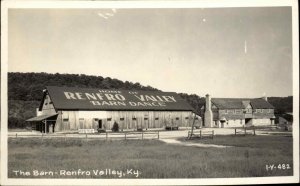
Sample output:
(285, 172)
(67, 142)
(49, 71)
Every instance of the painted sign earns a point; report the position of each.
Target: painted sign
(83, 98)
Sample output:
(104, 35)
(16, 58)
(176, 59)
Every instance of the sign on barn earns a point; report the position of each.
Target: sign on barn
(67, 98)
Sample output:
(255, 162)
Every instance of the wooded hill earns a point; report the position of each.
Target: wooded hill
(29, 86)
(25, 92)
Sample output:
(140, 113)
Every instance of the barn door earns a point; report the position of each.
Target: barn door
(100, 125)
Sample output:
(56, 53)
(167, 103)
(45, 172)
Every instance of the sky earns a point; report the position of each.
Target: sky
(224, 52)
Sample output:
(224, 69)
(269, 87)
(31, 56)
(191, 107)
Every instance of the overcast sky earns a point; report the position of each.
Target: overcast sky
(226, 52)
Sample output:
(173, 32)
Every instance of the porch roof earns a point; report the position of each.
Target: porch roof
(41, 117)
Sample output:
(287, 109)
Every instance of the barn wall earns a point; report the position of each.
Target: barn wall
(74, 120)
(48, 108)
(258, 122)
(235, 123)
(58, 124)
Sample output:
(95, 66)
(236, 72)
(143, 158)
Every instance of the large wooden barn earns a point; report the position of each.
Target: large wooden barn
(83, 109)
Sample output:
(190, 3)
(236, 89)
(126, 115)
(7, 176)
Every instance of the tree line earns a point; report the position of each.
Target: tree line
(29, 86)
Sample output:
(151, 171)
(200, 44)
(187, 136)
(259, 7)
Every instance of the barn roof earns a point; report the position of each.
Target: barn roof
(74, 98)
(260, 103)
(241, 103)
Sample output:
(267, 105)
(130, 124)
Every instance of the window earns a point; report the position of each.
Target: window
(177, 118)
(145, 118)
(81, 123)
(237, 111)
(196, 118)
(134, 119)
(121, 119)
(50, 102)
(65, 120)
(186, 117)
(156, 119)
(216, 123)
(108, 119)
(96, 119)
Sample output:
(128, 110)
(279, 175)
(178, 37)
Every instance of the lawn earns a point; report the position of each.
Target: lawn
(152, 158)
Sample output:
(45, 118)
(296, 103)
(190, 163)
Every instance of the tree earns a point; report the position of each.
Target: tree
(115, 127)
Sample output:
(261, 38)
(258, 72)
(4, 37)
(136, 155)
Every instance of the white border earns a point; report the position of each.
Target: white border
(147, 4)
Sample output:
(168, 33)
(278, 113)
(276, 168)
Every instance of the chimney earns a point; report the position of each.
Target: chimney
(38, 112)
(208, 117)
(265, 98)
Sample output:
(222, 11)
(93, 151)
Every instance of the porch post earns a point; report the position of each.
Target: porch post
(45, 126)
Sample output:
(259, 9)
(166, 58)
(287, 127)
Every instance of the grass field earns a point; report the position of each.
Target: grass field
(152, 158)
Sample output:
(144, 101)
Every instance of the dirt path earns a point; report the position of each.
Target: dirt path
(176, 142)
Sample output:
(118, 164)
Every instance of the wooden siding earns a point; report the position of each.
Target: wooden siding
(48, 108)
(70, 120)
(234, 114)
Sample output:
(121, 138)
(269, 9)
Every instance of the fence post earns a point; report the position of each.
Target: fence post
(42, 136)
(253, 131)
(125, 135)
(245, 131)
(86, 136)
(158, 134)
(16, 135)
(142, 135)
(65, 137)
(200, 134)
(235, 132)
(106, 136)
(213, 133)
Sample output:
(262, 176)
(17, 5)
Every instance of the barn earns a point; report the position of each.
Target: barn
(88, 110)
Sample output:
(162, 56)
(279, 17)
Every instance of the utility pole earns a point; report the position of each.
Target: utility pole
(192, 132)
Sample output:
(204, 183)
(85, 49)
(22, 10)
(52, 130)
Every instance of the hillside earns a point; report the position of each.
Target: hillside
(29, 86)
(19, 111)
(282, 104)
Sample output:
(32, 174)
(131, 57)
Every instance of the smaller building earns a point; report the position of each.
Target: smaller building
(285, 121)
(237, 112)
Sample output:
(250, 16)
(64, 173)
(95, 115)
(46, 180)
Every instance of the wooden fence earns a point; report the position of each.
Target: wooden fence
(101, 136)
(201, 134)
(244, 132)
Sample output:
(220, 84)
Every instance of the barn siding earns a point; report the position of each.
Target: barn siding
(70, 120)
(48, 108)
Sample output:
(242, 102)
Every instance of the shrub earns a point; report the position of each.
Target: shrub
(115, 127)
(14, 122)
